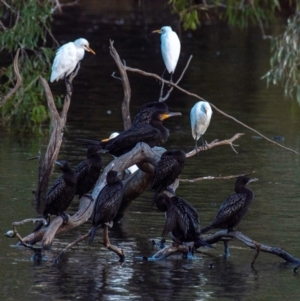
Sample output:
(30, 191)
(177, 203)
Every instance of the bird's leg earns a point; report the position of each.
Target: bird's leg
(162, 86)
(203, 141)
(171, 78)
(110, 247)
(257, 249)
(162, 243)
(196, 145)
(69, 86)
(69, 246)
(226, 249)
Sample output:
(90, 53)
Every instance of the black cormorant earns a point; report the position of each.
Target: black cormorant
(153, 134)
(182, 220)
(61, 193)
(107, 202)
(146, 111)
(168, 168)
(88, 171)
(234, 208)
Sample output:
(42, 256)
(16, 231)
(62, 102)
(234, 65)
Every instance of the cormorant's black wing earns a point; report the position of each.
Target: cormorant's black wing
(107, 204)
(230, 207)
(164, 169)
(129, 138)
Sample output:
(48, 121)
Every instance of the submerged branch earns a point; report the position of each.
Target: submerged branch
(221, 236)
(251, 244)
(211, 178)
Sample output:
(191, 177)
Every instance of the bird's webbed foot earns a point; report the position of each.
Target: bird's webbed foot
(65, 218)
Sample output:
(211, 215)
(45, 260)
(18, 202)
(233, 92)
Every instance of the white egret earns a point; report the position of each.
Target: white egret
(170, 47)
(200, 119)
(132, 168)
(67, 58)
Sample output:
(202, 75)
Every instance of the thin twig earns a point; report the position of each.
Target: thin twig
(214, 144)
(211, 178)
(199, 97)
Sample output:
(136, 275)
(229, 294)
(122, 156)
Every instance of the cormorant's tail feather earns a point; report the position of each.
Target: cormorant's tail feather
(38, 227)
(201, 243)
(41, 224)
(93, 233)
(154, 198)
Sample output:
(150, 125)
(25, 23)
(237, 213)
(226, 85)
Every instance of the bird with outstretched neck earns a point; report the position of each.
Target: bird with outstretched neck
(200, 118)
(88, 171)
(182, 220)
(153, 134)
(60, 194)
(167, 170)
(107, 203)
(235, 207)
(67, 58)
(170, 48)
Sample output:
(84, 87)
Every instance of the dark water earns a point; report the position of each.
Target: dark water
(226, 70)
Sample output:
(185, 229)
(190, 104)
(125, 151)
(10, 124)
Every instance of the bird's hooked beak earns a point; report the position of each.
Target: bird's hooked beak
(87, 48)
(156, 31)
(58, 163)
(252, 180)
(168, 114)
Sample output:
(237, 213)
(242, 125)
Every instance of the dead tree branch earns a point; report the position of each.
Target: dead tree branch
(19, 80)
(199, 97)
(211, 239)
(126, 86)
(220, 236)
(214, 144)
(58, 122)
(177, 82)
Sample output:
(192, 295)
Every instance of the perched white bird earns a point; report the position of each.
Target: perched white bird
(170, 47)
(200, 119)
(132, 168)
(67, 58)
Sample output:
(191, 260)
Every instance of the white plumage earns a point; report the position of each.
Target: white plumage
(170, 47)
(67, 58)
(200, 119)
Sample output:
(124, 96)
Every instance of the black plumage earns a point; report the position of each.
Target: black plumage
(107, 202)
(168, 168)
(88, 171)
(153, 134)
(145, 114)
(235, 207)
(61, 192)
(182, 220)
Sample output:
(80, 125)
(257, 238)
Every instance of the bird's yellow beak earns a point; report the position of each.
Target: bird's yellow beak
(87, 48)
(105, 140)
(156, 31)
(169, 114)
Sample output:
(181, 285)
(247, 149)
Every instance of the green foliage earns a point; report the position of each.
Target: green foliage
(234, 12)
(285, 58)
(25, 25)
